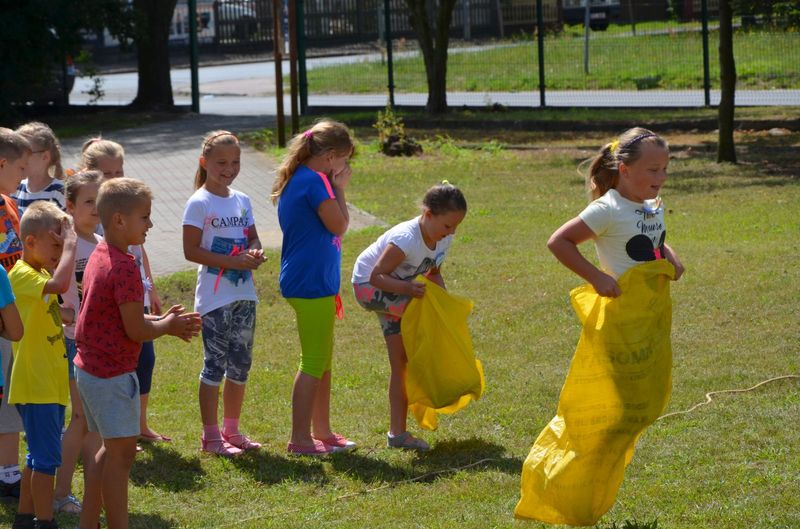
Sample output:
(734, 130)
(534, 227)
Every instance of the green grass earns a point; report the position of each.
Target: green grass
(731, 464)
(764, 60)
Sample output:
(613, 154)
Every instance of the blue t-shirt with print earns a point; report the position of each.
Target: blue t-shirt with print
(311, 256)
(6, 298)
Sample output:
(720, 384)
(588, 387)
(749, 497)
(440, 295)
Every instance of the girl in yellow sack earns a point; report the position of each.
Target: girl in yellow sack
(619, 380)
(383, 282)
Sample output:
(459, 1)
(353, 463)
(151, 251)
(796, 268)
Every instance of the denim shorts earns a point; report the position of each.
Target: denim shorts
(111, 405)
(43, 424)
(228, 342)
(72, 350)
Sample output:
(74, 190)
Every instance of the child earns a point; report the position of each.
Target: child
(39, 385)
(619, 379)
(310, 191)
(624, 181)
(102, 155)
(219, 234)
(14, 153)
(110, 331)
(81, 194)
(383, 281)
(46, 155)
(108, 157)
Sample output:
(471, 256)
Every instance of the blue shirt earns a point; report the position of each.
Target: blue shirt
(311, 256)
(6, 299)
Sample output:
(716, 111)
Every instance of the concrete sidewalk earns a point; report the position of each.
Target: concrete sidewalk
(165, 156)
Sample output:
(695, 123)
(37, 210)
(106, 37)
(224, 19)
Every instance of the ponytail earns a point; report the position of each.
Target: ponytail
(604, 168)
(42, 138)
(326, 135)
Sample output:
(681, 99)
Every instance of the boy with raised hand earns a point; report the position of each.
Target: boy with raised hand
(39, 385)
(14, 153)
(110, 331)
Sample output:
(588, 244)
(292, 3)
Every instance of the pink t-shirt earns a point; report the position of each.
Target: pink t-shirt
(111, 278)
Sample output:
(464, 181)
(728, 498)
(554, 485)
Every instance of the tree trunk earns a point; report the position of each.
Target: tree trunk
(152, 19)
(434, 49)
(726, 149)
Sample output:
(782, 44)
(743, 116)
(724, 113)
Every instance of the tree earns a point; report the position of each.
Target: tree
(726, 149)
(434, 42)
(152, 19)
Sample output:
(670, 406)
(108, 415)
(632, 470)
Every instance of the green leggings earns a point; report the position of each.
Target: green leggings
(315, 326)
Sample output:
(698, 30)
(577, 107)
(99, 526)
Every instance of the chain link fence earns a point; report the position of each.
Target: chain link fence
(645, 53)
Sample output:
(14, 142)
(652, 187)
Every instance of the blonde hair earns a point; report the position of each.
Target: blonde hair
(215, 138)
(120, 195)
(325, 135)
(604, 168)
(39, 217)
(42, 138)
(13, 145)
(96, 148)
(77, 181)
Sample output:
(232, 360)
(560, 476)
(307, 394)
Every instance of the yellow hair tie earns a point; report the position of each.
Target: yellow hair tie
(445, 182)
(614, 145)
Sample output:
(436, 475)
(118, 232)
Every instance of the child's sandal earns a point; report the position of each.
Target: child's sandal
(241, 441)
(219, 447)
(68, 504)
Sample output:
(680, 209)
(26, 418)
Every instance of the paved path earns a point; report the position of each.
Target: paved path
(164, 155)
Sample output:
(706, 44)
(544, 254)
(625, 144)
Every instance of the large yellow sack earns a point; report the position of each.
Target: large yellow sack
(443, 374)
(619, 383)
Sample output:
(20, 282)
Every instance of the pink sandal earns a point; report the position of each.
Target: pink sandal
(338, 442)
(241, 441)
(317, 449)
(219, 447)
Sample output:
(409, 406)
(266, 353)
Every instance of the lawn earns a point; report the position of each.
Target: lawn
(733, 463)
(672, 60)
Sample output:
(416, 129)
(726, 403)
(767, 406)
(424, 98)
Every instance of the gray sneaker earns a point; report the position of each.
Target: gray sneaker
(406, 441)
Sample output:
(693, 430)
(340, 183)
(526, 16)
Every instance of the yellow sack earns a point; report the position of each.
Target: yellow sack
(443, 374)
(619, 383)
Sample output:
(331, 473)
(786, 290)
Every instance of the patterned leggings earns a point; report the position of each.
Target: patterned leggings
(388, 306)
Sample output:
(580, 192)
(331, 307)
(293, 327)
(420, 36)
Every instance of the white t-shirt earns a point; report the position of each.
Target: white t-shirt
(226, 222)
(408, 237)
(136, 251)
(627, 235)
(72, 297)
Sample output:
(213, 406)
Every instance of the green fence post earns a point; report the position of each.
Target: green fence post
(387, 15)
(193, 56)
(540, 40)
(706, 73)
(301, 56)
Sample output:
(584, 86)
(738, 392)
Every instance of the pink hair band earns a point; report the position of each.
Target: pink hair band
(308, 134)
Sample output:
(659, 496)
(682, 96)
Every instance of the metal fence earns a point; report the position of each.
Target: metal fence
(671, 61)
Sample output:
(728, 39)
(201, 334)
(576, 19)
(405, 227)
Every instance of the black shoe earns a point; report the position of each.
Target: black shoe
(45, 524)
(23, 521)
(9, 491)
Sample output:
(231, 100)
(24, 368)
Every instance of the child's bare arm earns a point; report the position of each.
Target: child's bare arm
(672, 257)
(564, 245)
(381, 277)
(12, 328)
(59, 283)
(192, 237)
(176, 322)
(155, 299)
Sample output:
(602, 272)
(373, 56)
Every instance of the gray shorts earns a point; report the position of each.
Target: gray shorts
(111, 405)
(10, 421)
(228, 342)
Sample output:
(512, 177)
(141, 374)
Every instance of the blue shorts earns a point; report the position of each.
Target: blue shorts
(72, 350)
(228, 342)
(43, 424)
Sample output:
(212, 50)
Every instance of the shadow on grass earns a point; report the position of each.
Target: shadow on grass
(458, 453)
(429, 466)
(166, 469)
(150, 521)
(270, 468)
